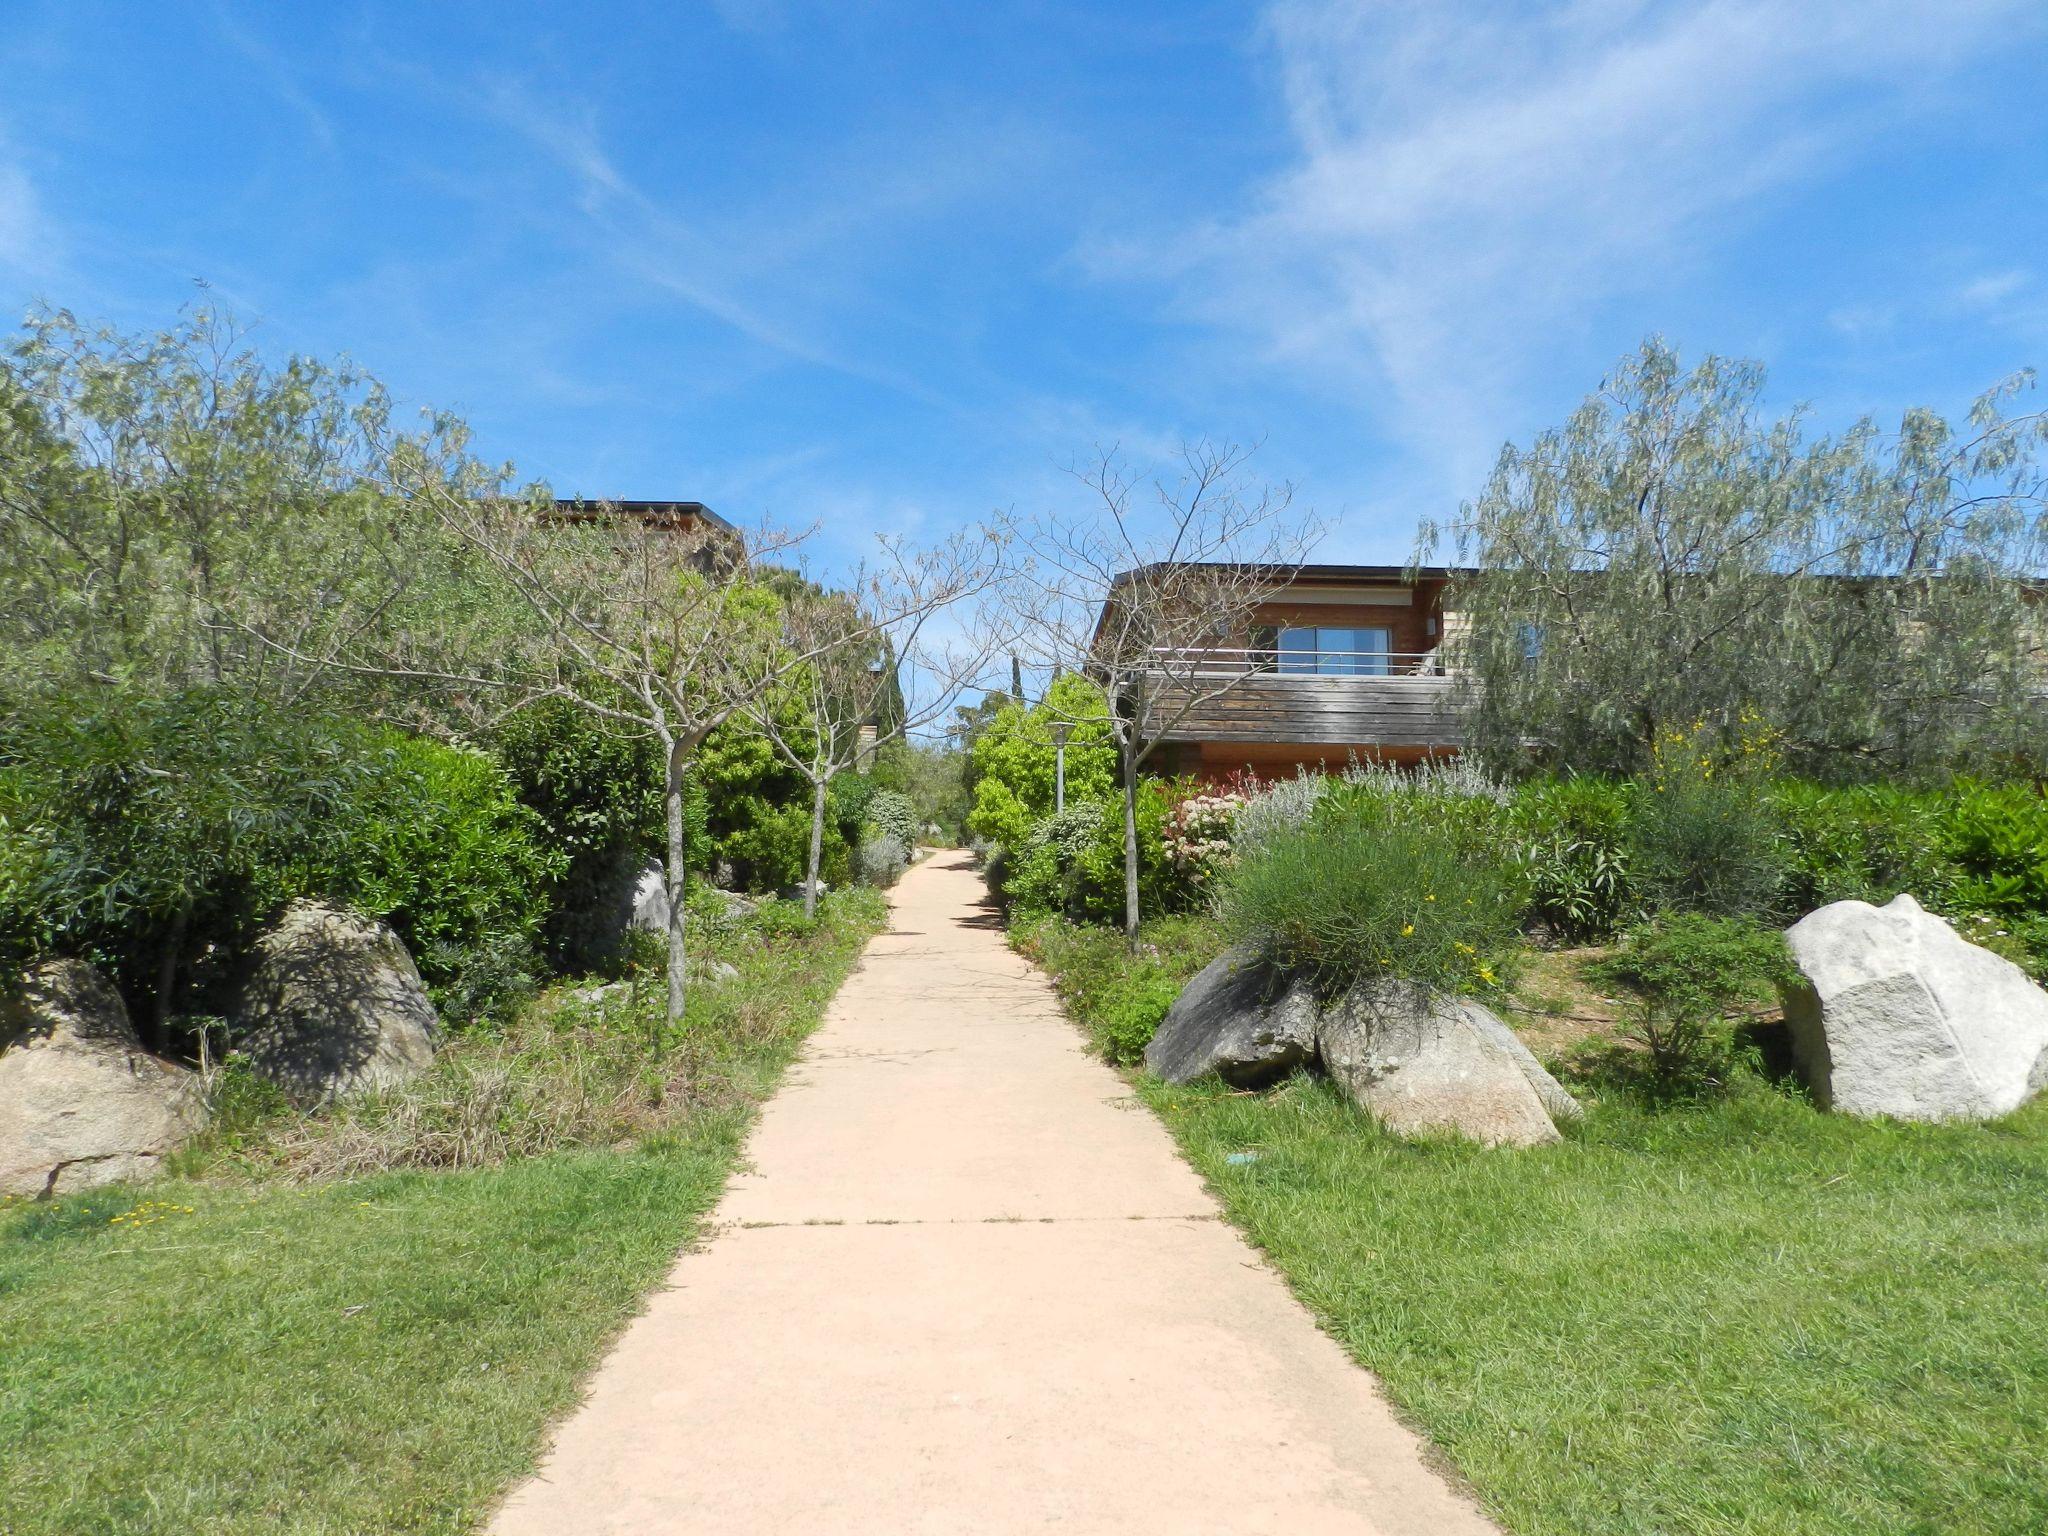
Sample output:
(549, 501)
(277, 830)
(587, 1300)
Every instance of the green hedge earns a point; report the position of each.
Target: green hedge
(157, 836)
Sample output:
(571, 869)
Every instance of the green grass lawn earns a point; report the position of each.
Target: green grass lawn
(1745, 1316)
(352, 1356)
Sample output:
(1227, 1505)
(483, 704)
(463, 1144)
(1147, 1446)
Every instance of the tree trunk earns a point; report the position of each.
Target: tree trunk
(817, 846)
(678, 852)
(167, 977)
(1130, 757)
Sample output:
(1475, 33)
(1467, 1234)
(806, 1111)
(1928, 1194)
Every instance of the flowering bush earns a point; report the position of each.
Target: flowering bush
(1198, 831)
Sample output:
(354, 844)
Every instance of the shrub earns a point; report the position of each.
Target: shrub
(1356, 896)
(1690, 973)
(1466, 810)
(1046, 875)
(1434, 778)
(597, 794)
(165, 833)
(1099, 865)
(770, 846)
(1573, 857)
(1196, 836)
(881, 861)
(1701, 842)
(849, 798)
(439, 847)
(1866, 843)
(892, 814)
(1274, 811)
(24, 924)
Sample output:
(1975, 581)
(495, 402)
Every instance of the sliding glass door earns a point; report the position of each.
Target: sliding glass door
(1336, 650)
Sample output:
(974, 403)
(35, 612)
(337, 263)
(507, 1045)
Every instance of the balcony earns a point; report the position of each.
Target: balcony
(1328, 698)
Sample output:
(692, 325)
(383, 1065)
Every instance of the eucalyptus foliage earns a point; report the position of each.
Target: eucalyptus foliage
(1676, 557)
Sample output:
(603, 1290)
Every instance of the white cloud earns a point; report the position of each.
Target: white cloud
(1470, 182)
(29, 240)
(1993, 288)
(786, 269)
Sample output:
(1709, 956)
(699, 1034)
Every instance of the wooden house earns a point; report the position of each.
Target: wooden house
(1342, 662)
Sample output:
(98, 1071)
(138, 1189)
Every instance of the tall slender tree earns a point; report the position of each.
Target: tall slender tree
(1148, 586)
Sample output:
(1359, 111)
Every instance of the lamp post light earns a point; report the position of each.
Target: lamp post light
(1060, 731)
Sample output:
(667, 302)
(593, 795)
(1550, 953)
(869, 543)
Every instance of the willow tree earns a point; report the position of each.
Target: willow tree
(151, 480)
(1678, 555)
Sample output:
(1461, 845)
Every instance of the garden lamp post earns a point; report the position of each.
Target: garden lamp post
(1060, 730)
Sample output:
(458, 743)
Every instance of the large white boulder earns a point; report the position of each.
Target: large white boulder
(334, 1006)
(1426, 1064)
(1238, 1020)
(1901, 1016)
(81, 1102)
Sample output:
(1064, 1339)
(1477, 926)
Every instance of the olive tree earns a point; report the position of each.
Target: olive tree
(1678, 556)
(149, 481)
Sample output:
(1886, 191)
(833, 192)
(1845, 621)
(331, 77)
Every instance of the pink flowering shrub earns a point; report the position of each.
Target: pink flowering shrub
(1197, 830)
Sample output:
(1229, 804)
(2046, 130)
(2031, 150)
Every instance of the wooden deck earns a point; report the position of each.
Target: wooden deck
(1397, 711)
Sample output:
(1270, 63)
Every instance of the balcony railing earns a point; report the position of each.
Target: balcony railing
(1198, 664)
(1327, 698)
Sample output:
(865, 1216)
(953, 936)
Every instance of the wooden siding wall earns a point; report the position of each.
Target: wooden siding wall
(1343, 711)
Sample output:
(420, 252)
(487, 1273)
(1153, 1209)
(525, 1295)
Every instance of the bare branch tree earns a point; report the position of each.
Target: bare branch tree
(875, 666)
(656, 627)
(1144, 585)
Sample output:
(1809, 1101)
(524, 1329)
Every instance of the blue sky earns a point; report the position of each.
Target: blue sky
(886, 266)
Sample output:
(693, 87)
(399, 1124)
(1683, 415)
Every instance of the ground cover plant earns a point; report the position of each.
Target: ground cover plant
(364, 1321)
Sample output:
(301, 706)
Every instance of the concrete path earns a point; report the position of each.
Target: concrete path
(969, 1286)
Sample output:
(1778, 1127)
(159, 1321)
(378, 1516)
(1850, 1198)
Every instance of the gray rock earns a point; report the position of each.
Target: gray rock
(737, 906)
(713, 971)
(1236, 1019)
(650, 902)
(1557, 1100)
(1901, 1016)
(1424, 1064)
(81, 1102)
(334, 1006)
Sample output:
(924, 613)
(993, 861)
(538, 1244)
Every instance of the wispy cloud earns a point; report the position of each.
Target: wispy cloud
(775, 273)
(1469, 183)
(277, 74)
(30, 243)
(1992, 289)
